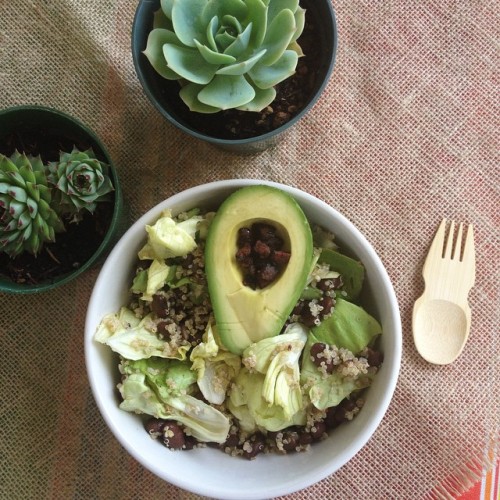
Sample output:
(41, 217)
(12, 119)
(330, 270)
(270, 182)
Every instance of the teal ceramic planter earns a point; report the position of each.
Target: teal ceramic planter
(49, 124)
(163, 93)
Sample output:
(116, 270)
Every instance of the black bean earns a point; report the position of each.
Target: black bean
(327, 304)
(263, 231)
(154, 427)
(305, 438)
(232, 441)
(280, 257)
(159, 305)
(290, 440)
(253, 447)
(189, 442)
(244, 236)
(243, 252)
(261, 249)
(317, 430)
(334, 417)
(266, 275)
(374, 358)
(307, 317)
(318, 351)
(173, 436)
(259, 255)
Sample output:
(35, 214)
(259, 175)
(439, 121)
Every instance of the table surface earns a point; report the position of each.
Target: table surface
(406, 133)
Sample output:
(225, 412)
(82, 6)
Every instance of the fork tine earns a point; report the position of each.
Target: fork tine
(469, 252)
(449, 241)
(457, 249)
(437, 244)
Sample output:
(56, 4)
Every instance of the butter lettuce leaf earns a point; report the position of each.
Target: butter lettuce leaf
(215, 367)
(136, 339)
(349, 326)
(266, 394)
(169, 238)
(325, 391)
(248, 405)
(158, 273)
(161, 388)
(351, 270)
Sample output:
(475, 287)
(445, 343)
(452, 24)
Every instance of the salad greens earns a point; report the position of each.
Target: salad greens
(194, 379)
(161, 388)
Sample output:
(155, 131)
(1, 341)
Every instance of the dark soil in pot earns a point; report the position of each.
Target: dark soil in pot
(80, 241)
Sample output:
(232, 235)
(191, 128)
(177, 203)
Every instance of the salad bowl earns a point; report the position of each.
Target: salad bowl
(208, 471)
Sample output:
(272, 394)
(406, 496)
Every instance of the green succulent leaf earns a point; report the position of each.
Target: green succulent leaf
(262, 99)
(242, 67)
(266, 77)
(161, 21)
(223, 40)
(189, 64)
(166, 7)
(187, 24)
(258, 17)
(296, 48)
(211, 32)
(240, 44)
(154, 52)
(23, 218)
(226, 91)
(231, 25)
(279, 35)
(276, 6)
(6, 166)
(17, 210)
(300, 21)
(41, 192)
(214, 57)
(189, 94)
(220, 8)
(16, 179)
(18, 194)
(27, 173)
(32, 207)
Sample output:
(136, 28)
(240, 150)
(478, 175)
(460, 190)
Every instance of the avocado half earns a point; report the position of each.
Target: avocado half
(243, 315)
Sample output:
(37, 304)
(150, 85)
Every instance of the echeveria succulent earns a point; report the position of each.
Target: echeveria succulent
(80, 180)
(26, 219)
(226, 53)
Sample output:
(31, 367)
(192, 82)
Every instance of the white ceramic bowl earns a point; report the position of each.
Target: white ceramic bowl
(209, 471)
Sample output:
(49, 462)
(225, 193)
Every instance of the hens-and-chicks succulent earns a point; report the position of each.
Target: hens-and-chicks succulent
(35, 198)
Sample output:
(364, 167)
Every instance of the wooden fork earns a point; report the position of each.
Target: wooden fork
(441, 315)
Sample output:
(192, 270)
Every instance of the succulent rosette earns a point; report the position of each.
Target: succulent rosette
(226, 53)
(80, 181)
(27, 220)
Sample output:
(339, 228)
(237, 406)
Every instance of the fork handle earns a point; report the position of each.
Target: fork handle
(453, 285)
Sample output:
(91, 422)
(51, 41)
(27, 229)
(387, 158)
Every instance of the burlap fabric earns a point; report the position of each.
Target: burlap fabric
(405, 134)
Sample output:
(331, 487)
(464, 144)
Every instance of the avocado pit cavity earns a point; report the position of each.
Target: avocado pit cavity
(260, 255)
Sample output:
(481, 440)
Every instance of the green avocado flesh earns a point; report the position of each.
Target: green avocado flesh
(243, 315)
